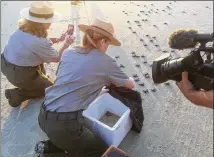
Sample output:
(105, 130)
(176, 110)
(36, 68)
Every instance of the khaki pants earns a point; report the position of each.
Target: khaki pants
(30, 81)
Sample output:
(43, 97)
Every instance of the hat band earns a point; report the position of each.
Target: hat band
(46, 16)
(102, 30)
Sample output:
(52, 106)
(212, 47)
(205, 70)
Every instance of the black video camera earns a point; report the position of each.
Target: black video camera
(199, 66)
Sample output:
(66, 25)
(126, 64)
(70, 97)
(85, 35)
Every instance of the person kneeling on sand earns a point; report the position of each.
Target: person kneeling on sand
(82, 74)
(26, 51)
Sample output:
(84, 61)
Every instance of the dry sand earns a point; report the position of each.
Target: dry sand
(173, 126)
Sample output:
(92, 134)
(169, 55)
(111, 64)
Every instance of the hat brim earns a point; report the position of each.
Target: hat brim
(25, 14)
(113, 40)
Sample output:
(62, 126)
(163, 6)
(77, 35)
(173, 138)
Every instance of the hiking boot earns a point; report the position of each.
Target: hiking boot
(47, 147)
(12, 103)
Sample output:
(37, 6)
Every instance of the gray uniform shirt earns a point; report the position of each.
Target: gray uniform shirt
(24, 49)
(80, 79)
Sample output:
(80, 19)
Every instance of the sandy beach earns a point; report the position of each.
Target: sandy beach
(173, 127)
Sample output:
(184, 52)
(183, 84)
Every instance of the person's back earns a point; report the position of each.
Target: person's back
(79, 80)
(24, 49)
(81, 76)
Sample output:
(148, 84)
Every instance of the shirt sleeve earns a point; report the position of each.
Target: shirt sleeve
(116, 75)
(45, 50)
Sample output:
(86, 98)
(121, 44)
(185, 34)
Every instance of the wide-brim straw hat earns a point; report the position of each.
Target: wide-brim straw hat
(104, 28)
(41, 12)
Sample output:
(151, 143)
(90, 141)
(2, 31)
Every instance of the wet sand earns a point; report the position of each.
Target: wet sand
(173, 127)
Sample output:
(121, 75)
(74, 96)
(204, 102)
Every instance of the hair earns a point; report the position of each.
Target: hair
(91, 39)
(34, 28)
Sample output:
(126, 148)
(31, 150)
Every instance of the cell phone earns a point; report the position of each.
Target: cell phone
(70, 30)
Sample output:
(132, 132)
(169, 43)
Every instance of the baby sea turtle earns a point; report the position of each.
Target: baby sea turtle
(156, 45)
(146, 91)
(117, 56)
(133, 52)
(165, 23)
(139, 25)
(144, 62)
(130, 27)
(109, 113)
(142, 56)
(147, 35)
(135, 75)
(134, 32)
(141, 84)
(146, 75)
(137, 65)
(172, 51)
(136, 79)
(145, 45)
(154, 37)
(141, 39)
(164, 51)
(151, 40)
(153, 90)
(134, 55)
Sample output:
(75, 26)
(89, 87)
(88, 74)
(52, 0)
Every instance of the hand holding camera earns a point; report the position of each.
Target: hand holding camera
(199, 67)
(193, 73)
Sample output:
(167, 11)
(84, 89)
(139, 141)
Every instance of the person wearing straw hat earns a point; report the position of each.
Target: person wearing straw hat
(26, 51)
(82, 74)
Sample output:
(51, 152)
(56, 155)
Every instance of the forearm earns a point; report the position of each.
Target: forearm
(61, 50)
(54, 40)
(202, 98)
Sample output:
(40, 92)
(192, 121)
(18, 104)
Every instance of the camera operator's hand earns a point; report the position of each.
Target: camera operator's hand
(202, 98)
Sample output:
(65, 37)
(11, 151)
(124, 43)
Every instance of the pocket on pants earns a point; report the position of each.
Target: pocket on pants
(74, 130)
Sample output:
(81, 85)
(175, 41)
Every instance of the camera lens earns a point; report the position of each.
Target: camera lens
(172, 68)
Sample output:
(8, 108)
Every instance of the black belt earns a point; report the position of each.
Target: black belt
(75, 115)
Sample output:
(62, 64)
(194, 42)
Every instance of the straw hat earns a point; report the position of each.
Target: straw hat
(103, 28)
(41, 12)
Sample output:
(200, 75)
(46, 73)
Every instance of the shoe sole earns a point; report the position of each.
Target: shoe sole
(7, 95)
